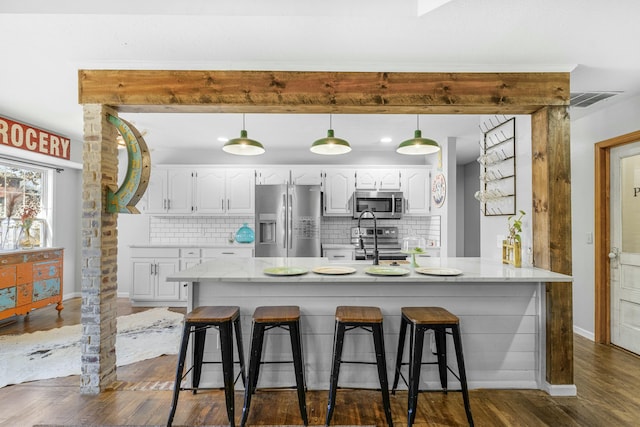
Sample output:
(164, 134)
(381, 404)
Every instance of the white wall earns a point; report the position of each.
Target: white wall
(66, 233)
(617, 119)
(494, 228)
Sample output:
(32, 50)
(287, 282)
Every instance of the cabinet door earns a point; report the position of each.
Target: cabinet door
(209, 191)
(306, 176)
(166, 291)
(339, 185)
(157, 191)
(240, 191)
(184, 264)
(180, 191)
(388, 179)
(143, 280)
(272, 176)
(417, 192)
(366, 180)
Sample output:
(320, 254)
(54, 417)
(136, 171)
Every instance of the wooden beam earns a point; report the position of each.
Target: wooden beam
(323, 92)
(551, 187)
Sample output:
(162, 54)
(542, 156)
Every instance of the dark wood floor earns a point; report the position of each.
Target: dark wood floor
(607, 378)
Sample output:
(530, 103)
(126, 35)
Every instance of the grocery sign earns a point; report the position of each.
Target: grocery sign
(20, 135)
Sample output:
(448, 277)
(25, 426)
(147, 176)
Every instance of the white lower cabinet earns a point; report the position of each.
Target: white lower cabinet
(150, 268)
(339, 254)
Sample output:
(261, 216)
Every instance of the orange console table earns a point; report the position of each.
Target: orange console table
(30, 279)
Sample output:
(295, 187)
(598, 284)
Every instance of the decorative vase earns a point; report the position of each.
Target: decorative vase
(245, 234)
(25, 241)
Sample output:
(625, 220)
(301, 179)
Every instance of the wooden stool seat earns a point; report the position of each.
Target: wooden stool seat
(276, 313)
(206, 314)
(368, 319)
(355, 314)
(429, 316)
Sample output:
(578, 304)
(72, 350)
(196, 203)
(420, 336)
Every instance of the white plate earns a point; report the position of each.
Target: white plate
(285, 271)
(438, 271)
(328, 269)
(382, 270)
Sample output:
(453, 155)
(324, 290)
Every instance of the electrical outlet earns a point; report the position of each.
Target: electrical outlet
(589, 238)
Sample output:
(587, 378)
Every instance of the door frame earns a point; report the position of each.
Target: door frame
(602, 238)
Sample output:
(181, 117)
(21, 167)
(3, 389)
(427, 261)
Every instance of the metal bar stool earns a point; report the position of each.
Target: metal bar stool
(264, 319)
(421, 320)
(197, 322)
(370, 320)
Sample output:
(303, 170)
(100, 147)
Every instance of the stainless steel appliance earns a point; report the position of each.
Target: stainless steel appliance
(385, 204)
(388, 243)
(288, 221)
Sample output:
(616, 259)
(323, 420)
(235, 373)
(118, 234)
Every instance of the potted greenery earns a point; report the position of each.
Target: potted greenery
(511, 247)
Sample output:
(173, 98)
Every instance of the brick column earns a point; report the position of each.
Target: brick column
(99, 251)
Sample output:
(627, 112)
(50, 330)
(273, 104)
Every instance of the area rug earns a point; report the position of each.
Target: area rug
(56, 353)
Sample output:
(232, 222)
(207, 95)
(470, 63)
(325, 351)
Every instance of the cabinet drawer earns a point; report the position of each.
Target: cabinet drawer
(190, 253)
(155, 252)
(7, 276)
(7, 298)
(223, 252)
(24, 294)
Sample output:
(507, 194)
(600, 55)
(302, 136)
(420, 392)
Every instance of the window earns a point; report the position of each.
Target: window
(23, 207)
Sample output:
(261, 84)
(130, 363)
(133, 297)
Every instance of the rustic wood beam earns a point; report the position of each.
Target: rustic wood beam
(551, 186)
(322, 92)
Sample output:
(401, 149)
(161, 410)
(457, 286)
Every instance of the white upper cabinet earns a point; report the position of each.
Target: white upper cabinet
(272, 176)
(201, 191)
(306, 176)
(170, 191)
(240, 191)
(417, 191)
(339, 185)
(378, 179)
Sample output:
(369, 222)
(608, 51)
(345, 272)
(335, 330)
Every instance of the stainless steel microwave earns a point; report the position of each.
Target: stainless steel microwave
(383, 204)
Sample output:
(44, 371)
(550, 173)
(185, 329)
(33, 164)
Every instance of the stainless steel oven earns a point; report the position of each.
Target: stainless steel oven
(384, 204)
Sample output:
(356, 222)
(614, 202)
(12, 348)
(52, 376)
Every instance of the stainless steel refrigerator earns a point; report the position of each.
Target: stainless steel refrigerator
(288, 219)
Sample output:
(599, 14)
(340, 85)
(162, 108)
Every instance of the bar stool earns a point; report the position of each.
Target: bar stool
(421, 320)
(197, 322)
(370, 320)
(264, 319)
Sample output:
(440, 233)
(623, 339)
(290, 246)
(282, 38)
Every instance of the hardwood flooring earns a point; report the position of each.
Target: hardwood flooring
(607, 378)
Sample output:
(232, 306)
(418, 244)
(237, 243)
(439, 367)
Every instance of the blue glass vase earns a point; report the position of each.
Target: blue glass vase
(245, 234)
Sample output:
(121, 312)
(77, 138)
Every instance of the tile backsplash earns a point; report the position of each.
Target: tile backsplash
(335, 230)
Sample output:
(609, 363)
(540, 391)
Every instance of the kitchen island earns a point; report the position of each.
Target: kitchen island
(502, 311)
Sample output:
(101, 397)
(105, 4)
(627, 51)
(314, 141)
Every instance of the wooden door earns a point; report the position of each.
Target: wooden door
(625, 247)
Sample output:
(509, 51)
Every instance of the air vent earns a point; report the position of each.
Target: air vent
(587, 99)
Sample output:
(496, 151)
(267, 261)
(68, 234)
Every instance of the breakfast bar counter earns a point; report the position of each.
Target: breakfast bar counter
(503, 314)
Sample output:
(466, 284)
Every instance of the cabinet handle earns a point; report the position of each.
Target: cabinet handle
(228, 253)
(222, 204)
(228, 204)
(338, 256)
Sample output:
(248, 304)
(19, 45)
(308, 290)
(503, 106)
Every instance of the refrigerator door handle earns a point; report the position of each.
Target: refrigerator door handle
(290, 231)
(284, 209)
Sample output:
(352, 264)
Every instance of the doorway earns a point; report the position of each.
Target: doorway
(616, 261)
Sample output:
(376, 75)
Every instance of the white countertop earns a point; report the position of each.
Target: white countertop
(220, 244)
(251, 270)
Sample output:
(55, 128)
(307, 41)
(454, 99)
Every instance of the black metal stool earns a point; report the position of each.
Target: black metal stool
(369, 319)
(197, 322)
(264, 319)
(421, 320)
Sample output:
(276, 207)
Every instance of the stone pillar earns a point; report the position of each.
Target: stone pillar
(99, 251)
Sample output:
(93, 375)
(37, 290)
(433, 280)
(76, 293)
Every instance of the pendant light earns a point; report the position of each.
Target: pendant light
(418, 145)
(243, 146)
(330, 145)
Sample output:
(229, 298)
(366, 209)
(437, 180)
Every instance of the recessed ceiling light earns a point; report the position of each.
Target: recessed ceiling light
(223, 139)
(386, 139)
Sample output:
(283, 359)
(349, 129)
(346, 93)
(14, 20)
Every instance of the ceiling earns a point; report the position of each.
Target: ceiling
(44, 43)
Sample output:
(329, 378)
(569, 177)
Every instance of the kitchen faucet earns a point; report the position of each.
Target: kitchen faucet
(375, 236)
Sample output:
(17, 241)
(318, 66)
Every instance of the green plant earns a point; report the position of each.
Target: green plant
(515, 226)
